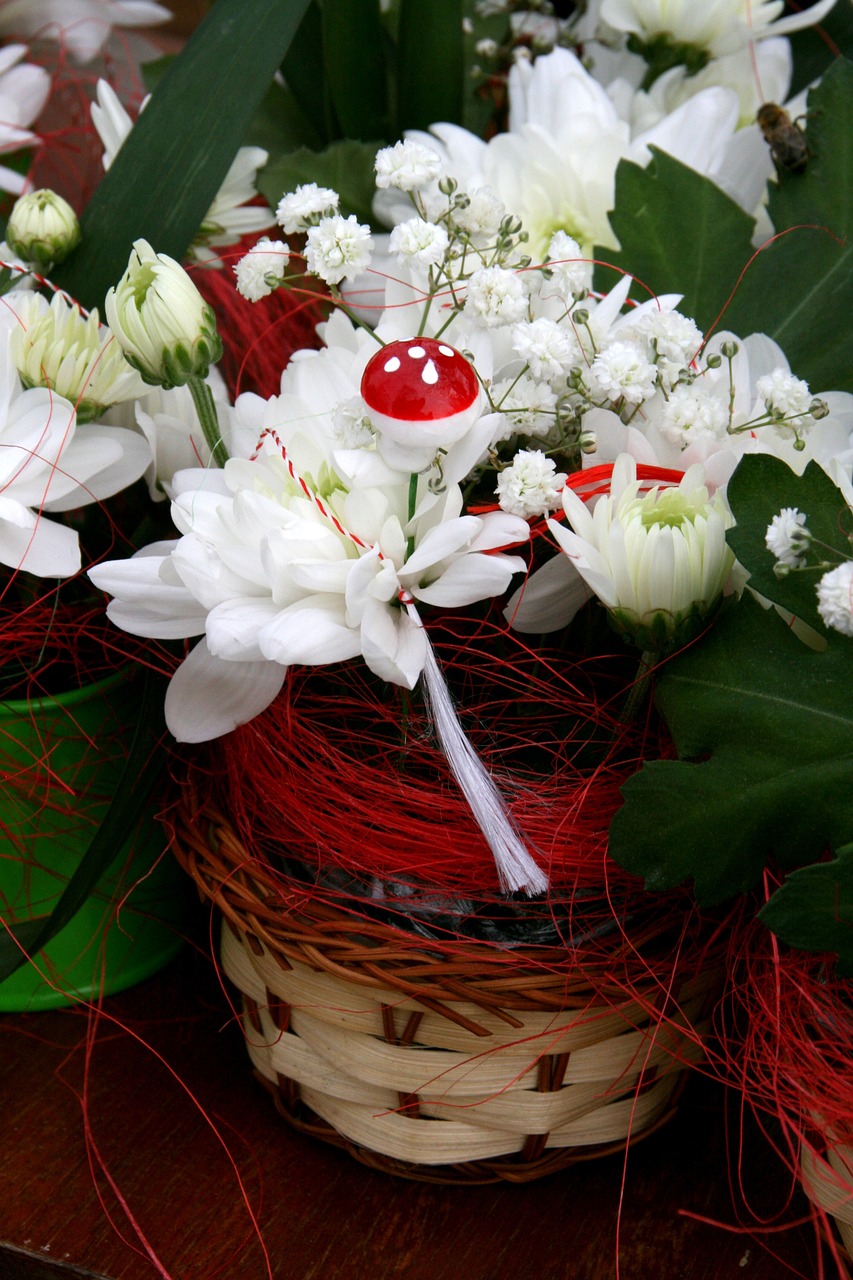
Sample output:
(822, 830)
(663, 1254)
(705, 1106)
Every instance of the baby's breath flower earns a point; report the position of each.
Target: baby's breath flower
(530, 486)
(351, 425)
(300, 209)
(483, 213)
(788, 538)
(690, 414)
(545, 346)
(570, 274)
(527, 407)
(496, 296)
(785, 396)
(260, 271)
(338, 248)
(835, 598)
(407, 166)
(419, 241)
(622, 372)
(673, 341)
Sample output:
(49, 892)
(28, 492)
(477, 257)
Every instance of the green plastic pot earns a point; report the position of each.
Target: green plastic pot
(61, 759)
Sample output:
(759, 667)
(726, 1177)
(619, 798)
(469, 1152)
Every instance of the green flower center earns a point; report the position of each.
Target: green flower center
(672, 507)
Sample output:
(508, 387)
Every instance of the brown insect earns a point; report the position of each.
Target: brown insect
(786, 140)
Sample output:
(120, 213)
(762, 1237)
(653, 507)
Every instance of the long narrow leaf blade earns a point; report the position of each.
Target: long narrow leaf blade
(163, 180)
(430, 64)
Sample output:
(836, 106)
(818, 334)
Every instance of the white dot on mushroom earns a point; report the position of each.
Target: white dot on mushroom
(416, 353)
(430, 374)
(392, 365)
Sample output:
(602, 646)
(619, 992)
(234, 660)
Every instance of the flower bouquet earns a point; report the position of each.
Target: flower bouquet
(410, 721)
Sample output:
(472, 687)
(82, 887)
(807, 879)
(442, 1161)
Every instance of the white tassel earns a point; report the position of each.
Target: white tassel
(516, 868)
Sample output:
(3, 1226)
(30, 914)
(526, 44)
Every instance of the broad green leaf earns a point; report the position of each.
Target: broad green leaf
(430, 70)
(813, 909)
(143, 767)
(679, 233)
(346, 167)
(799, 289)
(164, 178)
(760, 488)
(354, 51)
(763, 727)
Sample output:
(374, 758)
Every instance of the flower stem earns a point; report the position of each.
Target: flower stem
(639, 691)
(205, 407)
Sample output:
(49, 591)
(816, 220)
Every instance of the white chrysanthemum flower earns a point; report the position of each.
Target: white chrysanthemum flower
(50, 463)
(271, 578)
(622, 372)
(415, 240)
(300, 209)
(555, 167)
(230, 216)
(83, 26)
(42, 229)
(407, 166)
(496, 296)
(713, 29)
(482, 215)
(570, 274)
(24, 89)
(527, 407)
(162, 323)
(548, 348)
(785, 396)
(691, 414)
(53, 346)
(338, 248)
(530, 486)
(835, 598)
(787, 537)
(260, 271)
(658, 561)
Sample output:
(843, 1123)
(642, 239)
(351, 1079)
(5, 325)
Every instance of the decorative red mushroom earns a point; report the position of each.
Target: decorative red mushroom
(421, 393)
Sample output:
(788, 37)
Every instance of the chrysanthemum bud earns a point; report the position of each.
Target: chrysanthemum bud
(729, 349)
(42, 229)
(165, 328)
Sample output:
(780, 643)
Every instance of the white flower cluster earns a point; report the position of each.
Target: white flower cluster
(342, 510)
(790, 542)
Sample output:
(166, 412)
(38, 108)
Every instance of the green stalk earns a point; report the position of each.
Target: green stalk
(639, 691)
(206, 409)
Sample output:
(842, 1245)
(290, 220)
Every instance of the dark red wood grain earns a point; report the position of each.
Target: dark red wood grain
(321, 1215)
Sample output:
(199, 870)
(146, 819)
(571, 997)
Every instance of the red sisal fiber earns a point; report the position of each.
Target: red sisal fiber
(260, 337)
(789, 1049)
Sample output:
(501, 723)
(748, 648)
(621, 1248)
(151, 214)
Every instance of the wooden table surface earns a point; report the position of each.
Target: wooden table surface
(145, 1129)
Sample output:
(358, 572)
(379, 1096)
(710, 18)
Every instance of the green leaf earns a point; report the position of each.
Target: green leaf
(813, 909)
(166, 175)
(698, 254)
(760, 487)
(304, 71)
(143, 767)
(430, 71)
(354, 51)
(763, 727)
(799, 289)
(346, 167)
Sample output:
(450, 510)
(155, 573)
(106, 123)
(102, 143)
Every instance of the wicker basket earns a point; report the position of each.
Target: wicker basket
(828, 1181)
(450, 1068)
